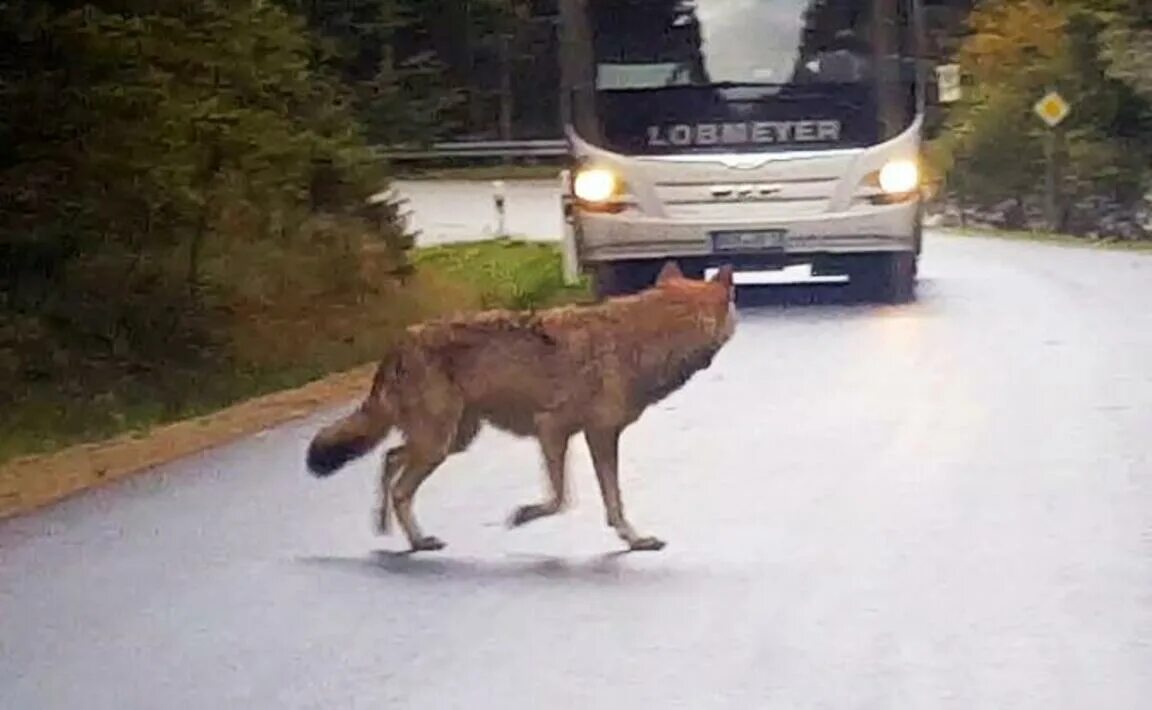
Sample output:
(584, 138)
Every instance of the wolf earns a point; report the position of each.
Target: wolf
(550, 374)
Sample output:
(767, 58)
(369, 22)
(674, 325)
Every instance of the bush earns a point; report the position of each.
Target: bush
(170, 175)
(994, 147)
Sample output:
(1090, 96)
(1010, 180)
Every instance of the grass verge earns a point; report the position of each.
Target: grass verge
(504, 273)
(56, 443)
(1066, 240)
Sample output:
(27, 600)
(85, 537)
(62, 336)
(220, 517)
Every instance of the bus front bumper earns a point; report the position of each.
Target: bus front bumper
(604, 237)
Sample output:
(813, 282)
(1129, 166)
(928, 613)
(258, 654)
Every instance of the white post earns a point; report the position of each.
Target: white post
(498, 198)
(568, 238)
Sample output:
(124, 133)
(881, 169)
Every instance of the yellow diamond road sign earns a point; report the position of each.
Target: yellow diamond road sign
(1052, 109)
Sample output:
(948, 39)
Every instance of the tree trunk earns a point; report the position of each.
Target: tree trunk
(476, 98)
(506, 97)
(200, 234)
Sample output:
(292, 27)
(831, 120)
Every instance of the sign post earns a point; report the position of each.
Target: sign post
(948, 87)
(1052, 110)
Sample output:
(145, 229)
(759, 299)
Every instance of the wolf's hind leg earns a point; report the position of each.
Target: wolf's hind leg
(391, 465)
(430, 443)
(418, 467)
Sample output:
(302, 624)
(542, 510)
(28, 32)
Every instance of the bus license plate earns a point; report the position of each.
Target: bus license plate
(755, 240)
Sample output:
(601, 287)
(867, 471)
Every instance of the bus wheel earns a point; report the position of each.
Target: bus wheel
(888, 277)
(902, 268)
(897, 277)
(620, 278)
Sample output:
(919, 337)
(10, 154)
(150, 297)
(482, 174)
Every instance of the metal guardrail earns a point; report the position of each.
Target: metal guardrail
(482, 149)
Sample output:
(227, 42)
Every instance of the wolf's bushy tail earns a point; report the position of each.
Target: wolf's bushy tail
(349, 438)
(356, 434)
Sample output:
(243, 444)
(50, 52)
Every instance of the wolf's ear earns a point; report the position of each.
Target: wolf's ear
(669, 272)
(724, 276)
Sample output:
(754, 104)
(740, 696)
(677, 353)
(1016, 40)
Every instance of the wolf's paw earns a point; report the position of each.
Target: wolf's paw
(383, 522)
(428, 543)
(527, 513)
(646, 544)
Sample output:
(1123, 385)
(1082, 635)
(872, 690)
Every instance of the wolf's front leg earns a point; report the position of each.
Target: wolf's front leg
(604, 445)
(554, 444)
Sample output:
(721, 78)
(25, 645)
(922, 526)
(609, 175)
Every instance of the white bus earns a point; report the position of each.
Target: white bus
(761, 133)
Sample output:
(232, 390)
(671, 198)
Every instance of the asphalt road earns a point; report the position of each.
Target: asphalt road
(941, 505)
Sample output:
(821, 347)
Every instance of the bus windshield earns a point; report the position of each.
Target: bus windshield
(683, 74)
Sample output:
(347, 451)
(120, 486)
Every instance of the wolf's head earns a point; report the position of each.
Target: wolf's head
(711, 299)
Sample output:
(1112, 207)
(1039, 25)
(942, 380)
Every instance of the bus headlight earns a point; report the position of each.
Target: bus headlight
(595, 185)
(899, 177)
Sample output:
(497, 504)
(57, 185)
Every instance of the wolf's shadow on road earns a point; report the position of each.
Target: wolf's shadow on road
(608, 568)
